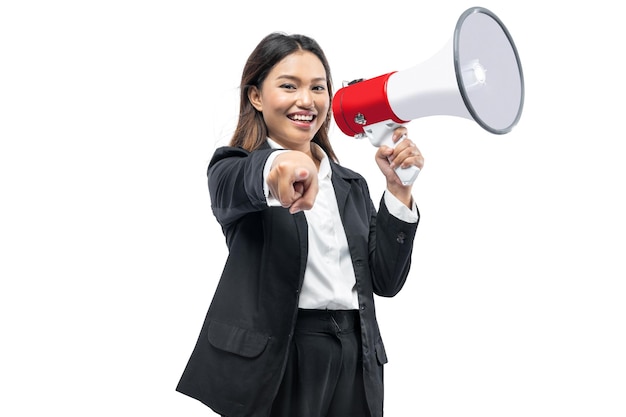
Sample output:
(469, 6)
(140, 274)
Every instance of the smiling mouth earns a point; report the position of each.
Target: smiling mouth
(302, 118)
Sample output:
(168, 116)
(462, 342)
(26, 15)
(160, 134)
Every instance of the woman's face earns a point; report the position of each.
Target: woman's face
(294, 100)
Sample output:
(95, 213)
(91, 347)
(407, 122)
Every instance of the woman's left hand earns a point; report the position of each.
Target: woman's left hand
(404, 154)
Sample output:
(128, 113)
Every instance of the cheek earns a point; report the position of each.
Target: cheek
(272, 102)
(323, 113)
(281, 101)
(323, 105)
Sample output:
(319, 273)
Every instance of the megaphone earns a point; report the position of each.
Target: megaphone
(477, 75)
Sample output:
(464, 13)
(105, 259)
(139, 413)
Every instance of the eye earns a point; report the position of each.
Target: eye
(288, 86)
(319, 88)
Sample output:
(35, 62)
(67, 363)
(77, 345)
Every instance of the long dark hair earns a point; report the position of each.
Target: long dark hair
(251, 131)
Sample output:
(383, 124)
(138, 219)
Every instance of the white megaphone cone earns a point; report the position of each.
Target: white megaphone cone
(477, 75)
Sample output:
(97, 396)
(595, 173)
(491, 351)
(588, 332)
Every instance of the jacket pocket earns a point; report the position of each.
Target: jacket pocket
(381, 354)
(243, 342)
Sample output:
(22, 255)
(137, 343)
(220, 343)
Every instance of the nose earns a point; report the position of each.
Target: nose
(305, 99)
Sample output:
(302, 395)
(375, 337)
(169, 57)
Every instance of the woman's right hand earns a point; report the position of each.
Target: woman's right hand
(292, 180)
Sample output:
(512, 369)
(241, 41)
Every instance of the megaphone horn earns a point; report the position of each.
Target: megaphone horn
(477, 75)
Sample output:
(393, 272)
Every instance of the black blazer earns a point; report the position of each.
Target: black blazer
(237, 364)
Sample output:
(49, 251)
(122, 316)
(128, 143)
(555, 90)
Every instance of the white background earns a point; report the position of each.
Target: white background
(109, 252)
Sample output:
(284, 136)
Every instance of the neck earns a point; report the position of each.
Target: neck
(316, 154)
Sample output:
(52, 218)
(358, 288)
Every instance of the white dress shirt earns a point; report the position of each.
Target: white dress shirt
(329, 281)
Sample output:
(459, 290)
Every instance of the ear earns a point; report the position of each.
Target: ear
(254, 95)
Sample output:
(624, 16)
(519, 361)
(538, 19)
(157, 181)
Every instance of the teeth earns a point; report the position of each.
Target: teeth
(302, 117)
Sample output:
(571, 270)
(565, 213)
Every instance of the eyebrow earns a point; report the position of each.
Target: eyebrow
(293, 78)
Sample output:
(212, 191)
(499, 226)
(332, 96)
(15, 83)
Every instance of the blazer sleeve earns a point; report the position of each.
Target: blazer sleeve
(235, 180)
(391, 248)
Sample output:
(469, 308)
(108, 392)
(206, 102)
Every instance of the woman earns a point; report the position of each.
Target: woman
(292, 330)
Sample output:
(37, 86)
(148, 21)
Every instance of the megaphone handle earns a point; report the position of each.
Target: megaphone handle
(381, 134)
(409, 174)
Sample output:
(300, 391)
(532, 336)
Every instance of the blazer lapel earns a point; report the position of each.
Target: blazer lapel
(341, 184)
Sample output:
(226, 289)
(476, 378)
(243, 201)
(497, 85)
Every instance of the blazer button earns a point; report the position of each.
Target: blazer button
(400, 237)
